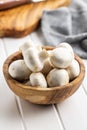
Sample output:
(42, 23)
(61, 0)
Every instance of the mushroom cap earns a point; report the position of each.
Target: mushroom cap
(67, 46)
(73, 69)
(38, 80)
(57, 77)
(29, 44)
(18, 70)
(61, 57)
(31, 58)
(25, 46)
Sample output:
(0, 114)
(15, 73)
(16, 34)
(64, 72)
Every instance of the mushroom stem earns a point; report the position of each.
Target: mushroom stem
(43, 55)
(38, 80)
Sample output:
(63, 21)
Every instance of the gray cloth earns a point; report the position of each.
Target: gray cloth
(67, 24)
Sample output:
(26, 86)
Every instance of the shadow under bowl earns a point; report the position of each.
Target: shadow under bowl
(40, 95)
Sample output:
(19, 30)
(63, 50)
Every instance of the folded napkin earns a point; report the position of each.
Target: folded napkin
(67, 24)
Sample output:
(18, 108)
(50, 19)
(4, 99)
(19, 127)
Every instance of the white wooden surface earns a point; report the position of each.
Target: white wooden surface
(18, 114)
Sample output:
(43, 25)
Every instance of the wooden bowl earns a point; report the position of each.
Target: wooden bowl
(42, 95)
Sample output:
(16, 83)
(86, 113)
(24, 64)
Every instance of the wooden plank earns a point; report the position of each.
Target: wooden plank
(35, 117)
(73, 111)
(9, 115)
(40, 117)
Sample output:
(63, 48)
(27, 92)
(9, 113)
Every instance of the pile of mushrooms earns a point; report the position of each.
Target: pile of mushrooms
(42, 68)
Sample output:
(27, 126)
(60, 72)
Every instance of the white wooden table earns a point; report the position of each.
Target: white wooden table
(18, 114)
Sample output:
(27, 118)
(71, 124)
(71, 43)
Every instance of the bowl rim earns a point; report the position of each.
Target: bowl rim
(13, 57)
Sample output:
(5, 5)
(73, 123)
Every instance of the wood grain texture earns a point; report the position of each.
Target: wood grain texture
(6, 4)
(22, 20)
(42, 95)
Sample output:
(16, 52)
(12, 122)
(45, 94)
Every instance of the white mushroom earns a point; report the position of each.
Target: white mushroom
(32, 60)
(29, 44)
(43, 55)
(61, 57)
(25, 46)
(73, 69)
(49, 51)
(67, 46)
(35, 60)
(38, 80)
(18, 70)
(57, 77)
(47, 67)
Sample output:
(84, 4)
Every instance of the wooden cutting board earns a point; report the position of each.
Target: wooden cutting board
(22, 20)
